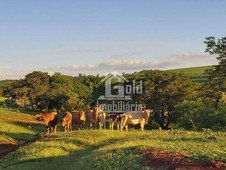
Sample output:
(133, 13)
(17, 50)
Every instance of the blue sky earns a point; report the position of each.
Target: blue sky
(101, 36)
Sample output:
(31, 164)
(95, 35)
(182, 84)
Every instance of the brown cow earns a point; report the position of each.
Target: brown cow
(50, 120)
(78, 119)
(91, 118)
(134, 118)
(96, 116)
(67, 122)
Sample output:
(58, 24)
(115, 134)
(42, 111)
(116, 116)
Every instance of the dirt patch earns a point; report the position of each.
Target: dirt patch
(171, 161)
(6, 148)
(12, 145)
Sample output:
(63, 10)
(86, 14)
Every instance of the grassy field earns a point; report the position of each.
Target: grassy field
(104, 149)
(16, 125)
(197, 74)
(192, 70)
(99, 149)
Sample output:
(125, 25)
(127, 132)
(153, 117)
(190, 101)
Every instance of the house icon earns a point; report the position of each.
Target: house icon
(120, 94)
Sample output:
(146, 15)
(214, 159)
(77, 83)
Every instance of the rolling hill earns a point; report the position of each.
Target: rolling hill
(191, 70)
(197, 74)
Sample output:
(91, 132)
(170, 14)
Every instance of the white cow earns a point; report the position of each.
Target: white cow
(135, 117)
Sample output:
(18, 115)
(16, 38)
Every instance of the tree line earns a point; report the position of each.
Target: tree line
(177, 101)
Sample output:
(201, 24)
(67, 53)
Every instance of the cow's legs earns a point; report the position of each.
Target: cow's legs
(100, 125)
(54, 128)
(47, 130)
(122, 125)
(142, 127)
(65, 128)
(112, 125)
(118, 126)
(104, 125)
(90, 125)
(126, 128)
(82, 125)
(121, 128)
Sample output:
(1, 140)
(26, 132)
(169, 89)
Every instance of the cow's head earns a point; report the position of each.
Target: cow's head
(39, 117)
(98, 109)
(125, 117)
(148, 113)
(66, 113)
(64, 121)
(82, 116)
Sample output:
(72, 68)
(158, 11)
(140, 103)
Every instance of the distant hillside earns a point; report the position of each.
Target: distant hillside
(191, 70)
(197, 74)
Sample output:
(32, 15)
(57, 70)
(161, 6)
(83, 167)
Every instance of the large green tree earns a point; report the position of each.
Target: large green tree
(32, 91)
(195, 115)
(38, 89)
(162, 91)
(95, 87)
(42, 92)
(216, 86)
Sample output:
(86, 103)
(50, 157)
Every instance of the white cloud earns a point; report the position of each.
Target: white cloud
(7, 74)
(132, 64)
(120, 65)
(191, 60)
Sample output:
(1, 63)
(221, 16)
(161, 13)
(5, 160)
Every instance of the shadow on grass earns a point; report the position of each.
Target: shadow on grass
(183, 139)
(37, 126)
(32, 125)
(6, 148)
(79, 159)
(20, 136)
(14, 109)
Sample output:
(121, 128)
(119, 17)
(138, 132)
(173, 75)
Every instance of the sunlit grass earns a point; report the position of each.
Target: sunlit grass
(2, 99)
(192, 70)
(17, 125)
(99, 149)
(104, 149)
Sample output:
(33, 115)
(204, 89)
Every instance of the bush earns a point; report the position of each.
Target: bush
(197, 115)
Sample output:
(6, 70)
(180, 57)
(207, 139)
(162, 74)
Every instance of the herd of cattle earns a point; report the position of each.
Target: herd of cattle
(94, 117)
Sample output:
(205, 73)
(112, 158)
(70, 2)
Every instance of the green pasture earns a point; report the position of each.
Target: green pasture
(192, 70)
(105, 149)
(197, 74)
(18, 126)
(98, 149)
